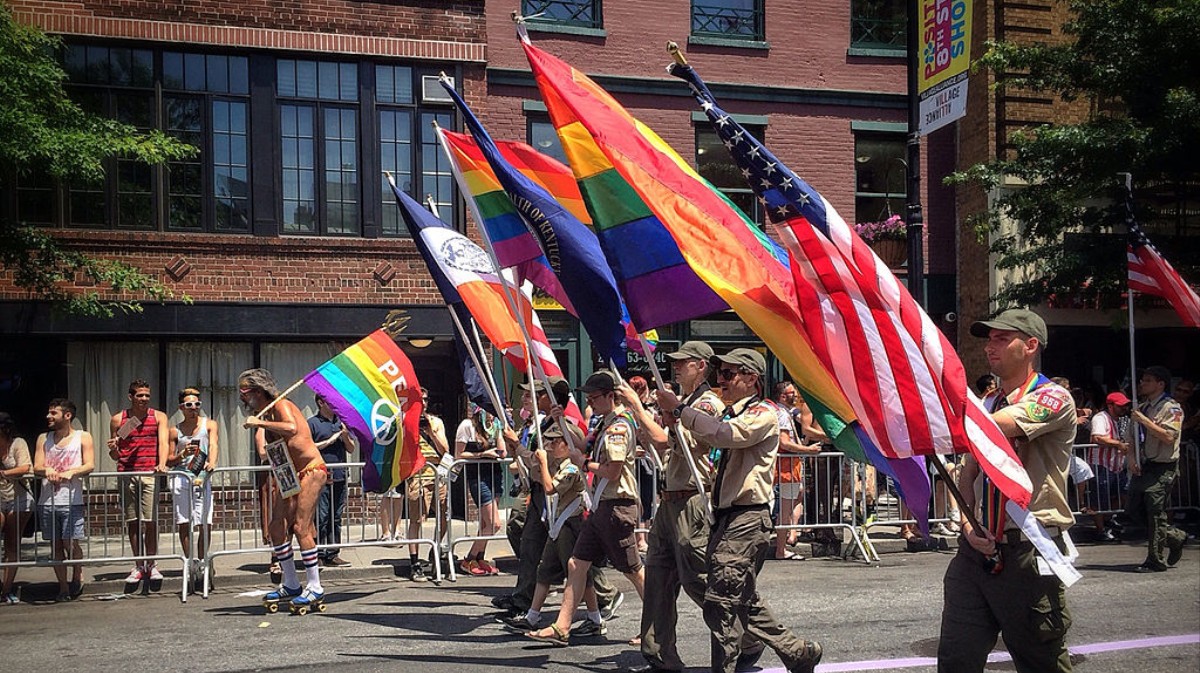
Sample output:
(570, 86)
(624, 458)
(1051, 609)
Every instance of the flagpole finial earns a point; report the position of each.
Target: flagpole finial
(395, 322)
(676, 53)
(522, 32)
(445, 79)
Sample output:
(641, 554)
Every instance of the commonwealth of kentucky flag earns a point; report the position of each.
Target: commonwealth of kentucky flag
(374, 390)
(1150, 273)
(902, 377)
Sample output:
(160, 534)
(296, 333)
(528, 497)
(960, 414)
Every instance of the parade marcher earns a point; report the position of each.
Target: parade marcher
(747, 436)
(16, 505)
(332, 439)
(1108, 460)
(609, 531)
(194, 452)
(138, 442)
(63, 456)
(293, 515)
(983, 599)
(1158, 421)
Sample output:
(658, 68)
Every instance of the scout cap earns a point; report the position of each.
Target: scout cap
(1118, 398)
(557, 383)
(692, 350)
(1019, 319)
(601, 382)
(1159, 373)
(745, 357)
(555, 431)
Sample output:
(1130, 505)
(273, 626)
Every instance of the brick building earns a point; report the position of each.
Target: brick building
(285, 267)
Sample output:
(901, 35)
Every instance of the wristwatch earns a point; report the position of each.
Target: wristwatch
(677, 412)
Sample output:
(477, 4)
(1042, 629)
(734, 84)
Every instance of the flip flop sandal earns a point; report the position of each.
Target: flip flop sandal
(559, 638)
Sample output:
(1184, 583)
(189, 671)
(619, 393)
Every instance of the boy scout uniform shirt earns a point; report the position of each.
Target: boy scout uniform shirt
(616, 441)
(748, 441)
(1168, 415)
(677, 475)
(1047, 417)
(568, 483)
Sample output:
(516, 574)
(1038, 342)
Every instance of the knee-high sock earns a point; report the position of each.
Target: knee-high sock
(287, 563)
(312, 569)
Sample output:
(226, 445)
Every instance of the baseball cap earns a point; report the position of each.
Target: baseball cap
(745, 357)
(692, 350)
(602, 381)
(557, 383)
(556, 430)
(1019, 319)
(1118, 398)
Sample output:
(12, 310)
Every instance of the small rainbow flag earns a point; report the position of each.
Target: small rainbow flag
(374, 390)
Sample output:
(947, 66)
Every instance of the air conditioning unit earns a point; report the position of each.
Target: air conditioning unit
(432, 91)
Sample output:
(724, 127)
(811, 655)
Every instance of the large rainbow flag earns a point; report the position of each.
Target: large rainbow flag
(374, 390)
(716, 239)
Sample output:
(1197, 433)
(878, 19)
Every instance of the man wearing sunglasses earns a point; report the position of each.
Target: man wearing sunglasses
(1019, 597)
(747, 437)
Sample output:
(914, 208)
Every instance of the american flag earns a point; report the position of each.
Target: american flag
(902, 377)
(1149, 273)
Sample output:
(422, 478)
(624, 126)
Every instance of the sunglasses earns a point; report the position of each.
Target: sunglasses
(245, 391)
(729, 374)
(190, 405)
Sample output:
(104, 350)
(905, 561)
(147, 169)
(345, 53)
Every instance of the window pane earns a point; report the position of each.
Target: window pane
(306, 79)
(218, 74)
(742, 19)
(193, 72)
(119, 67)
(97, 65)
(142, 68)
(573, 12)
(341, 171)
(134, 198)
(135, 109)
(544, 139)
(285, 77)
(396, 157)
(299, 206)
(879, 23)
(75, 62)
(349, 82)
(239, 75)
(172, 70)
(715, 165)
(35, 198)
(185, 182)
(879, 164)
(87, 206)
(327, 78)
(435, 165)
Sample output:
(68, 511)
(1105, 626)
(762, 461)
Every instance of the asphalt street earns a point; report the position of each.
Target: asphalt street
(882, 617)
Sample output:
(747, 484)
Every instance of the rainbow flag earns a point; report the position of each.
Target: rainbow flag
(718, 243)
(374, 390)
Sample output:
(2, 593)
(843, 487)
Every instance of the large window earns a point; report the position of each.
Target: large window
(736, 19)
(715, 165)
(543, 138)
(880, 189)
(580, 13)
(879, 24)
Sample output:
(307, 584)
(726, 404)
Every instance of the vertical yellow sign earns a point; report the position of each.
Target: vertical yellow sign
(945, 42)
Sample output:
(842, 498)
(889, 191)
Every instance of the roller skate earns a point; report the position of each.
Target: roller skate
(283, 594)
(307, 602)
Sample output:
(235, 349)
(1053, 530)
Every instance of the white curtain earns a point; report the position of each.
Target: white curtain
(213, 369)
(98, 377)
(290, 362)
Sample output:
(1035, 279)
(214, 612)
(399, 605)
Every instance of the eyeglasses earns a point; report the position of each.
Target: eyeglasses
(190, 405)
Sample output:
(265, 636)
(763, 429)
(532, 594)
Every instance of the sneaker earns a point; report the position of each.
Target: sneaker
(135, 576)
(1106, 535)
(154, 575)
(810, 656)
(589, 629)
(336, 562)
(418, 574)
(75, 588)
(10, 599)
(1150, 568)
(941, 529)
(1175, 551)
(517, 623)
(609, 611)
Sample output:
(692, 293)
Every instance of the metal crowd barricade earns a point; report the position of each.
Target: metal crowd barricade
(105, 529)
(889, 510)
(465, 484)
(239, 495)
(827, 489)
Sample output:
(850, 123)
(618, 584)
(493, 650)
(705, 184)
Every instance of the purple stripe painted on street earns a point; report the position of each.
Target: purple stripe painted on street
(994, 657)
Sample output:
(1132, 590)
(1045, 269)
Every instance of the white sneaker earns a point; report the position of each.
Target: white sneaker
(940, 529)
(154, 575)
(135, 576)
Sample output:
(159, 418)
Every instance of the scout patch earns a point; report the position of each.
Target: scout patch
(706, 406)
(1044, 406)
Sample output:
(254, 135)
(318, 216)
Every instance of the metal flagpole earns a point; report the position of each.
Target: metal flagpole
(488, 383)
(1136, 458)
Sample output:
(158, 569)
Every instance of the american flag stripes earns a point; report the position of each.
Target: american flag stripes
(902, 377)
(1149, 273)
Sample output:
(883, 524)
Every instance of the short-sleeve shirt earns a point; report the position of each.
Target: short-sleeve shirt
(1046, 415)
(616, 442)
(748, 437)
(1107, 457)
(1167, 414)
(677, 475)
(322, 429)
(568, 484)
(18, 455)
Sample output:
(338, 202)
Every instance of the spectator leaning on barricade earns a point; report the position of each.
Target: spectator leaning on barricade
(421, 488)
(138, 441)
(608, 531)
(472, 441)
(1108, 460)
(984, 598)
(194, 451)
(789, 468)
(63, 456)
(1154, 465)
(15, 501)
(331, 437)
(747, 437)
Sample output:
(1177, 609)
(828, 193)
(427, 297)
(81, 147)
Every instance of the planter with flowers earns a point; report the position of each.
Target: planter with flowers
(888, 238)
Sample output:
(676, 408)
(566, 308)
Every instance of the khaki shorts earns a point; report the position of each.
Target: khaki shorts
(140, 497)
(418, 495)
(608, 533)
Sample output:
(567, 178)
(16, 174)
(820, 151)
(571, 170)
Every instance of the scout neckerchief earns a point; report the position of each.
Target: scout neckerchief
(1150, 410)
(721, 458)
(992, 508)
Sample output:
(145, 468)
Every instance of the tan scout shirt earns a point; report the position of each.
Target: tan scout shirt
(1167, 414)
(677, 475)
(616, 441)
(568, 484)
(1047, 417)
(748, 440)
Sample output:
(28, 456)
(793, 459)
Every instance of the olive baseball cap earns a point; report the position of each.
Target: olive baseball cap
(602, 381)
(1020, 319)
(557, 383)
(692, 350)
(556, 430)
(745, 357)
